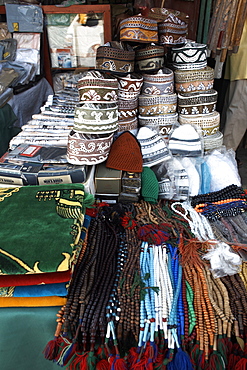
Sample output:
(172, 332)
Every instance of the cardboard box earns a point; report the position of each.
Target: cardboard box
(107, 180)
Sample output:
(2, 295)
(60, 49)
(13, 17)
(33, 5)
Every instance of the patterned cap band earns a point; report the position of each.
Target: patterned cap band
(94, 87)
(214, 141)
(203, 74)
(157, 104)
(190, 56)
(209, 123)
(201, 102)
(160, 83)
(162, 123)
(155, 121)
(116, 60)
(127, 109)
(150, 58)
(94, 119)
(131, 83)
(163, 14)
(139, 29)
(194, 86)
(128, 125)
(84, 150)
(172, 31)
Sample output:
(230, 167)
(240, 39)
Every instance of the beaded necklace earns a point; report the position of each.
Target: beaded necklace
(175, 271)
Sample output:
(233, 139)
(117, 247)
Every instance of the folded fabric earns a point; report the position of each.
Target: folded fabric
(44, 290)
(42, 227)
(32, 301)
(33, 279)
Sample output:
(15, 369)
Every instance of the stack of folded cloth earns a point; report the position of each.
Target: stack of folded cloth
(41, 243)
(44, 130)
(158, 102)
(95, 119)
(52, 125)
(196, 97)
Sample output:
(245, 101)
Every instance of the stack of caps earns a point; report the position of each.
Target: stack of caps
(196, 97)
(142, 33)
(129, 88)
(158, 102)
(95, 120)
(172, 25)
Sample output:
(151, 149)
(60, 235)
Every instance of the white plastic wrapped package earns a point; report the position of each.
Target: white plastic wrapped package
(223, 169)
(27, 40)
(30, 56)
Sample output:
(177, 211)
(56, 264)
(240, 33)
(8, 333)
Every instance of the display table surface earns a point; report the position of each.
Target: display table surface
(24, 334)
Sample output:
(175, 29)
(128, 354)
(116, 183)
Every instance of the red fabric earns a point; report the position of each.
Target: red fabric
(34, 279)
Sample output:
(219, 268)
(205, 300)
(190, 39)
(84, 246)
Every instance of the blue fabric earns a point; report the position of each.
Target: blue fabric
(205, 179)
(45, 290)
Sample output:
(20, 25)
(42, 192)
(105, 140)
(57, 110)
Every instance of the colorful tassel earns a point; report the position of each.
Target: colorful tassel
(241, 364)
(182, 360)
(51, 349)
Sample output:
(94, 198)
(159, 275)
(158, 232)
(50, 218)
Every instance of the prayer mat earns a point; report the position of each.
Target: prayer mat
(32, 301)
(43, 290)
(42, 227)
(24, 334)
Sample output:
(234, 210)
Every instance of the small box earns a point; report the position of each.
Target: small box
(131, 179)
(61, 174)
(107, 180)
(106, 198)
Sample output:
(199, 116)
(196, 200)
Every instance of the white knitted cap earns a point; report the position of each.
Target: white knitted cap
(185, 141)
(153, 147)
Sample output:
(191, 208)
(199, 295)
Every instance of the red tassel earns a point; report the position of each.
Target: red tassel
(67, 351)
(232, 361)
(241, 364)
(128, 221)
(102, 352)
(139, 365)
(78, 360)
(133, 355)
(150, 233)
(51, 349)
(103, 364)
(119, 363)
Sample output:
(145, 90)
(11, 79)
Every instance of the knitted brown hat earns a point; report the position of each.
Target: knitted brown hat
(125, 154)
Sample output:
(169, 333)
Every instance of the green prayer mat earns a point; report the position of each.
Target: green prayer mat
(24, 335)
(41, 227)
